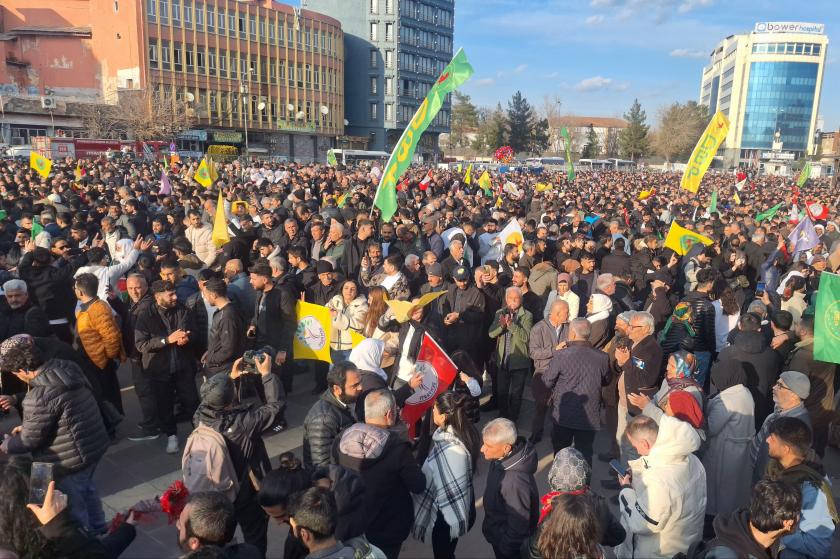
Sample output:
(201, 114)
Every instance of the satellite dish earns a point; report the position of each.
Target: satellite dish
(300, 115)
(189, 97)
(346, 122)
(325, 110)
(290, 106)
(261, 106)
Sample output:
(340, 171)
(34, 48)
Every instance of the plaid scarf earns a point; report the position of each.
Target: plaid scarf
(449, 487)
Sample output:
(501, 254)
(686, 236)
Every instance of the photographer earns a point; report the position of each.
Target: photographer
(242, 427)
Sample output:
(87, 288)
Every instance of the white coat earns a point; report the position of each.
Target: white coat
(730, 415)
(663, 510)
(201, 239)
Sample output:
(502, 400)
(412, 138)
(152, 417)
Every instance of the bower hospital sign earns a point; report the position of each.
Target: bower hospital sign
(789, 27)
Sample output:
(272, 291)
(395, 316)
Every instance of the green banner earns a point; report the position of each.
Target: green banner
(570, 168)
(331, 158)
(456, 73)
(804, 175)
(713, 203)
(827, 319)
(768, 214)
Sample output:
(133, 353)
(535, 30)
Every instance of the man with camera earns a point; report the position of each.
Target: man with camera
(242, 427)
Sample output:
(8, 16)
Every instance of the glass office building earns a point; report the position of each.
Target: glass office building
(767, 82)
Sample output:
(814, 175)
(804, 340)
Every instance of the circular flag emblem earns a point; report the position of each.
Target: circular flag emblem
(514, 238)
(310, 333)
(429, 387)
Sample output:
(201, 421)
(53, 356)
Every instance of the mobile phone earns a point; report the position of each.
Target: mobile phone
(616, 466)
(39, 480)
(759, 288)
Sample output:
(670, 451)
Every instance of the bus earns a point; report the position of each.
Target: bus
(594, 164)
(622, 164)
(548, 163)
(356, 156)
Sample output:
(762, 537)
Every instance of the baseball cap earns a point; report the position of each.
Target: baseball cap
(461, 274)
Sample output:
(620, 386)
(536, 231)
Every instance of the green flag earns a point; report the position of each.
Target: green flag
(713, 203)
(768, 214)
(804, 175)
(570, 168)
(827, 319)
(456, 73)
(331, 158)
(36, 229)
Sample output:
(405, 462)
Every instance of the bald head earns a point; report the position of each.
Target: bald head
(558, 313)
(233, 268)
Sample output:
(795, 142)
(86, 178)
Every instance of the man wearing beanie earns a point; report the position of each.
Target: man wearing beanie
(789, 394)
(242, 427)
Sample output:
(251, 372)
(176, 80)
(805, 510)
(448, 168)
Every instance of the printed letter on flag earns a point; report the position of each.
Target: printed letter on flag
(313, 332)
(704, 152)
(438, 372)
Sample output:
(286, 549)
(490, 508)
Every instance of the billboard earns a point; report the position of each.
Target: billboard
(789, 27)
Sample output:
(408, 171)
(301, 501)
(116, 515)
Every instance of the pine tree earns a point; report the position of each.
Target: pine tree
(541, 137)
(633, 141)
(464, 119)
(520, 123)
(593, 147)
(495, 134)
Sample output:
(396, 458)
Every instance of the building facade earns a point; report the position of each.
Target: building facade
(768, 83)
(253, 73)
(394, 52)
(606, 129)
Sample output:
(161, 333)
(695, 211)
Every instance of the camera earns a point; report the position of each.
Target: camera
(250, 358)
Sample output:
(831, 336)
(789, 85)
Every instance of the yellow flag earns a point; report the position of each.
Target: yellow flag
(499, 202)
(704, 152)
(468, 176)
(220, 230)
(485, 183)
(214, 176)
(736, 198)
(312, 335)
(402, 309)
(460, 168)
(543, 186)
(645, 194)
(355, 338)
(174, 158)
(78, 172)
(202, 175)
(40, 163)
(680, 239)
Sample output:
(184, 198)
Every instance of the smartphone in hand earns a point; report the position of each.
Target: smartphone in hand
(39, 479)
(617, 467)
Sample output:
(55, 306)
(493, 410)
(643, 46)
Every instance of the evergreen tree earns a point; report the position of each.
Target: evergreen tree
(541, 137)
(495, 134)
(593, 147)
(520, 123)
(464, 119)
(633, 141)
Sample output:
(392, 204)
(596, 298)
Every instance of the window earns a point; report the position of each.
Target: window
(188, 13)
(263, 31)
(242, 27)
(176, 57)
(374, 6)
(176, 12)
(211, 60)
(164, 11)
(252, 27)
(190, 58)
(199, 18)
(389, 6)
(389, 59)
(373, 82)
(223, 64)
(211, 18)
(282, 68)
(374, 108)
(220, 20)
(389, 111)
(389, 31)
(272, 33)
(374, 57)
(200, 61)
(816, 49)
(164, 55)
(151, 9)
(308, 74)
(374, 31)
(316, 81)
(153, 55)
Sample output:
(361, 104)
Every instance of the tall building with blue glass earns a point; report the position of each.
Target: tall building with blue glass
(768, 83)
(394, 52)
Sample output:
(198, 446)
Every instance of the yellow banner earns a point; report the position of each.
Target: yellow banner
(680, 239)
(220, 234)
(202, 174)
(468, 176)
(41, 164)
(312, 335)
(402, 309)
(704, 152)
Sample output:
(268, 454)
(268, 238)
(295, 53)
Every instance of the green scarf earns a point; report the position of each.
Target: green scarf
(801, 473)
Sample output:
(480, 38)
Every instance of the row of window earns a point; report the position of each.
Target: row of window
(376, 6)
(807, 49)
(421, 64)
(222, 64)
(238, 24)
(424, 12)
(374, 58)
(425, 39)
(376, 28)
(404, 87)
(231, 105)
(405, 113)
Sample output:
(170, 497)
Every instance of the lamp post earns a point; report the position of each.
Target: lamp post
(243, 94)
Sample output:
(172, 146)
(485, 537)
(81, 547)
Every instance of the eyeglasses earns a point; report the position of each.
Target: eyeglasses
(781, 385)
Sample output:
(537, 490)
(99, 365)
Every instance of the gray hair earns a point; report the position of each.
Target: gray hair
(604, 280)
(497, 431)
(513, 289)
(581, 328)
(335, 224)
(646, 320)
(290, 221)
(378, 403)
(757, 236)
(15, 285)
(278, 263)
(139, 277)
(411, 259)
(758, 307)
(558, 303)
(625, 317)
(456, 242)
(528, 245)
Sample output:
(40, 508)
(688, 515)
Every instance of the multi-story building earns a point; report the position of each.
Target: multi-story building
(768, 83)
(606, 129)
(252, 72)
(394, 52)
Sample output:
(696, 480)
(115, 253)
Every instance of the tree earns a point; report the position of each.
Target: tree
(140, 115)
(633, 141)
(611, 148)
(680, 126)
(541, 138)
(491, 130)
(520, 123)
(464, 120)
(593, 147)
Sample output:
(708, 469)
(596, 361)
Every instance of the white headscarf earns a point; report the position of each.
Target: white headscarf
(368, 355)
(601, 307)
(124, 248)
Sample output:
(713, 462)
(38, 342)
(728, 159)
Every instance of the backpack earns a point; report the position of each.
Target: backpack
(206, 464)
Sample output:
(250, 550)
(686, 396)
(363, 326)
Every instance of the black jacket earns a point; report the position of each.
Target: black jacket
(617, 262)
(61, 421)
(326, 419)
(468, 331)
(28, 319)
(227, 339)
(511, 500)
(703, 320)
(153, 327)
(349, 491)
(733, 538)
(129, 324)
(275, 318)
(642, 370)
(391, 474)
(242, 427)
(201, 323)
(73, 542)
(762, 366)
(51, 287)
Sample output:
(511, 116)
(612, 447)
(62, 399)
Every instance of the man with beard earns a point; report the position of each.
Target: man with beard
(162, 336)
(330, 415)
(209, 521)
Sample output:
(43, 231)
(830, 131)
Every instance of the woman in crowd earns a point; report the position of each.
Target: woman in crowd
(573, 529)
(727, 312)
(348, 310)
(793, 298)
(377, 307)
(446, 510)
(598, 311)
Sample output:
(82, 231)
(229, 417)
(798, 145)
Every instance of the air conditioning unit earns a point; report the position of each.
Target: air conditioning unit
(49, 103)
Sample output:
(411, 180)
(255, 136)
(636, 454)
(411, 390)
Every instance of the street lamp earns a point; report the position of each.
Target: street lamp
(243, 91)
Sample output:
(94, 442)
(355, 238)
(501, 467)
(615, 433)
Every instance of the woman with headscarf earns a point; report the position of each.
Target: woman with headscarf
(679, 378)
(793, 298)
(731, 426)
(348, 310)
(570, 474)
(367, 357)
(678, 332)
(598, 311)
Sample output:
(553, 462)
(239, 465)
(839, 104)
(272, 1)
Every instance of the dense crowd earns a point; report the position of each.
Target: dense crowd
(697, 364)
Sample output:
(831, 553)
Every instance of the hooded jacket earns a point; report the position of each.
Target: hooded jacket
(761, 364)
(664, 508)
(733, 538)
(511, 500)
(387, 466)
(61, 421)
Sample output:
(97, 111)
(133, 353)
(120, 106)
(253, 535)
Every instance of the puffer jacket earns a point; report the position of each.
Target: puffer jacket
(762, 365)
(326, 419)
(98, 331)
(703, 320)
(201, 239)
(664, 508)
(349, 317)
(61, 421)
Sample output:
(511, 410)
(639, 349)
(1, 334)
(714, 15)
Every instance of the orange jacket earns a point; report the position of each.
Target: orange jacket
(98, 331)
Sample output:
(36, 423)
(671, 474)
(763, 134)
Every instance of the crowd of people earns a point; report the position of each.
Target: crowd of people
(697, 364)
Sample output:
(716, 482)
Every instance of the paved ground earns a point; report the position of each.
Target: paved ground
(131, 471)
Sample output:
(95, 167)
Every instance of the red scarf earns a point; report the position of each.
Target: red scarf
(546, 504)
